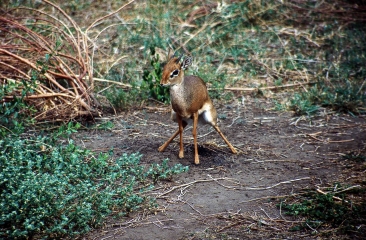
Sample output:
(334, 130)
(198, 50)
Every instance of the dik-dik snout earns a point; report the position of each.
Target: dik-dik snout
(189, 100)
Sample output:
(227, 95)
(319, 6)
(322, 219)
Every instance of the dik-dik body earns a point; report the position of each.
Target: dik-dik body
(190, 101)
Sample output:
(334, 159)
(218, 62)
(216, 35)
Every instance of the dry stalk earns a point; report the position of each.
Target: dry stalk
(50, 53)
(293, 85)
(237, 185)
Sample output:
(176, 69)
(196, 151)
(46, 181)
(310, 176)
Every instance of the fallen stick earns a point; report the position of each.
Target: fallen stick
(266, 88)
(229, 187)
(277, 184)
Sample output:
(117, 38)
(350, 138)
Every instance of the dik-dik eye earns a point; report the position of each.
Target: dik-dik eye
(174, 73)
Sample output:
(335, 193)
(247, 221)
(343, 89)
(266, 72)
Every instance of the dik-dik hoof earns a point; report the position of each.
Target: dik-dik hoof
(181, 154)
(196, 160)
(162, 148)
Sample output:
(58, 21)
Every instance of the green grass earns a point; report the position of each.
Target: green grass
(321, 211)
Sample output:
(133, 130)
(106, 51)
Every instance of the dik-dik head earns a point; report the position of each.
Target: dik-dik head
(173, 72)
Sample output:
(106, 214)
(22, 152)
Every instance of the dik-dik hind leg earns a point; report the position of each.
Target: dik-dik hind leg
(195, 122)
(165, 145)
(233, 150)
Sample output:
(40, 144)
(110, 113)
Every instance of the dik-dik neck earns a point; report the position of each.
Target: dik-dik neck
(178, 91)
(180, 99)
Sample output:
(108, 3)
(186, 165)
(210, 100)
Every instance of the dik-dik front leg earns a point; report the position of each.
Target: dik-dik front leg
(195, 122)
(181, 128)
(166, 144)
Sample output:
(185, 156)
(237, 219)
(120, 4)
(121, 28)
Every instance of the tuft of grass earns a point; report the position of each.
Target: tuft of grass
(346, 96)
(356, 157)
(302, 104)
(322, 210)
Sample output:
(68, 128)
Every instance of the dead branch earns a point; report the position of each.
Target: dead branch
(268, 88)
(277, 184)
(53, 64)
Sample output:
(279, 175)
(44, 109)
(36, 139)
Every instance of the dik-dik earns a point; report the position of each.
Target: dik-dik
(189, 100)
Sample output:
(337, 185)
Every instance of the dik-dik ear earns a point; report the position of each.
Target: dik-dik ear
(171, 54)
(187, 62)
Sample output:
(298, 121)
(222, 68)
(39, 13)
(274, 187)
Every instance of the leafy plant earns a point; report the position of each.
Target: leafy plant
(356, 157)
(118, 97)
(14, 113)
(322, 209)
(108, 125)
(302, 104)
(151, 80)
(53, 191)
(279, 106)
(163, 171)
(347, 96)
(65, 130)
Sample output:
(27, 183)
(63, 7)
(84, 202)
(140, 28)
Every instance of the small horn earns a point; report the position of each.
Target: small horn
(180, 58)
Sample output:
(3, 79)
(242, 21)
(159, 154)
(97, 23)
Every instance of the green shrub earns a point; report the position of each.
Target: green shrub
(151, 80)
(346, 96)
(51, 190)
(356, 157)
(163, 171)
(118, 97)
(302, 104)
(14, 114)
(323, 210)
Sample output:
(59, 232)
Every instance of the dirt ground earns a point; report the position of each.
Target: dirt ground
(232, 196)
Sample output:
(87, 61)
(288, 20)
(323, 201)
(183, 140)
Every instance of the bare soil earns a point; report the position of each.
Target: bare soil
(232, 196)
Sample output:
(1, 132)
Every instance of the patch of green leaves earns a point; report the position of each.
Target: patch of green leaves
(302, 104)
(163, 171)
(278, 106)
(346, 96)
(14, 114)
(49, 190)
(107, 125)
(118, 97)
(65, 130)
(151, 80)
(323, 210)
(355, 157)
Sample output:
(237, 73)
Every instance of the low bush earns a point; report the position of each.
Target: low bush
(151, 80)
(346, 96)
(49, 190)
(334, 210)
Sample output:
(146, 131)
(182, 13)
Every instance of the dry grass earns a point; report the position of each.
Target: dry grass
(53, 55)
